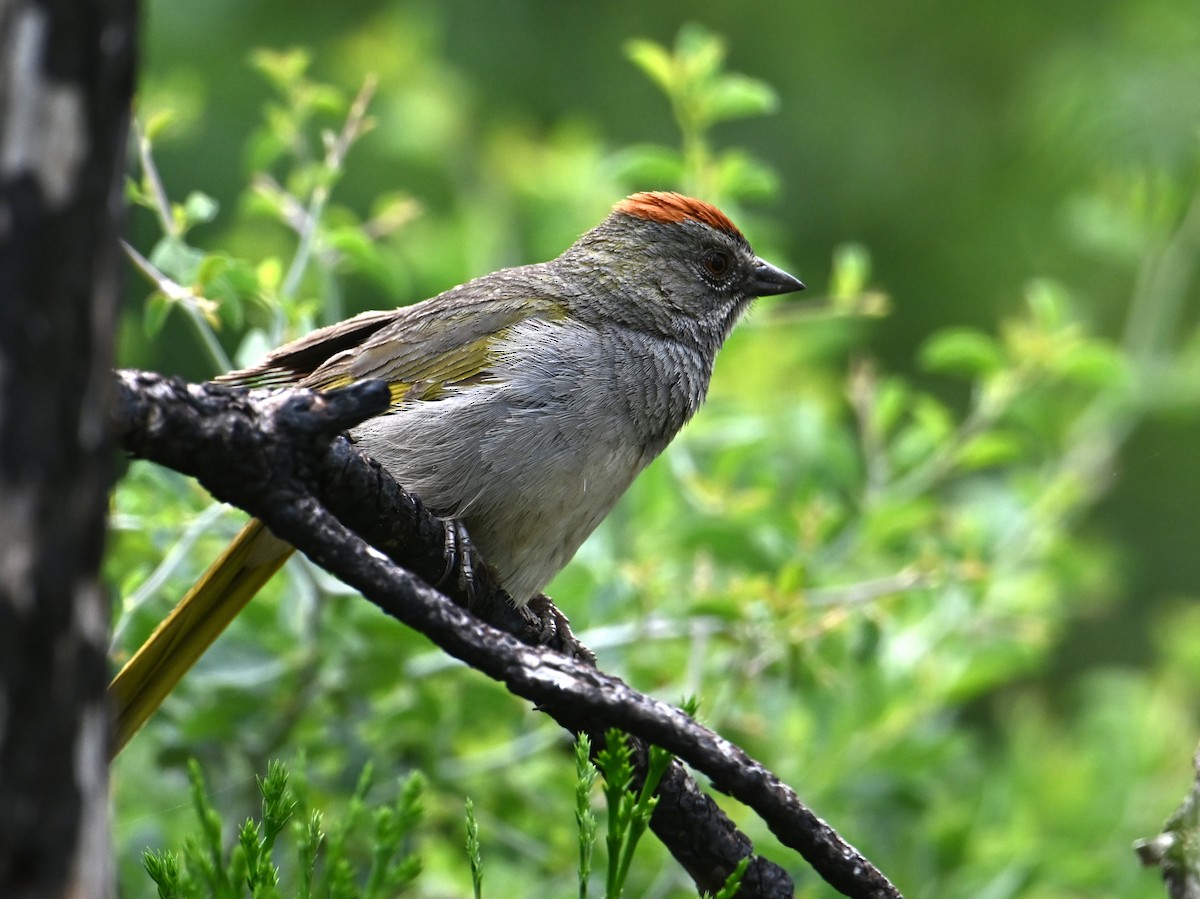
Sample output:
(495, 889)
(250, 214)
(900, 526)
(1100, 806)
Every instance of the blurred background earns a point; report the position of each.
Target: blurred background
(929, 552)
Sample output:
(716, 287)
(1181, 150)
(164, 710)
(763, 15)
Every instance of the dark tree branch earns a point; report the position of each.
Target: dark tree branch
(270, 454)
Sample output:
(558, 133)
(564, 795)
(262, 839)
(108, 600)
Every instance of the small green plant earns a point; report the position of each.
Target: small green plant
(628, 813)
(474, 851)
(733, 882)
(204, 868)
(702, 95)
(585, 818)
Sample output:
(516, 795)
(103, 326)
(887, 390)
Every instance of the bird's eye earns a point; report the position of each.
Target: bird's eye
(716, 263)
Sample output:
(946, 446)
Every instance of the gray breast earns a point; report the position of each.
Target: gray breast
(536, 454)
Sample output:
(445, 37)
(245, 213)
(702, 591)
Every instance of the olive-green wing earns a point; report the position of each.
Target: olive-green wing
(418, 350)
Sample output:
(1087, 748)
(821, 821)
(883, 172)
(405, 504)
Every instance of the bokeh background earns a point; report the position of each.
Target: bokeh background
(970, 151)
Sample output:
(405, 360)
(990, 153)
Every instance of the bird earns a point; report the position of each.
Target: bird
(523, 404)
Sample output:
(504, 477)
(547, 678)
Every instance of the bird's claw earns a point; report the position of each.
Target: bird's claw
(460, 558)
(551, 627)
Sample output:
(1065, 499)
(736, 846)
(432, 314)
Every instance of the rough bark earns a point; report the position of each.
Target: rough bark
(66, 82)
(269, 453)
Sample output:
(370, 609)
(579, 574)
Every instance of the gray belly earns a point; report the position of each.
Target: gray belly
(529, 486)
(534, 455)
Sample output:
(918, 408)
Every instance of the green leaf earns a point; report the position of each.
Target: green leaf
(163, 868)
(933, 417)
(310, 838)
(648, 164)
(962, 351)
(230, 283)
(176, 259)
(264, 147)
(199, 208)
(891, 401)
(926, 433)
(158, 307)
(283, 68)
(699, 53)
(739, 96)
(654, 60)
(306, 177)
(158, 123)
(1094, 363)
(328, 99)
(266, 199)
(734, 881)
(351, 241)
(279, 805)
(474, 854)
(894, 524)
(392, 211)
(135, 196)
(989, 450)
(212, 267)
(1049, 304)
(251, 842)
(270, 273)
(851, 271)
(585, 818)
(741, 176)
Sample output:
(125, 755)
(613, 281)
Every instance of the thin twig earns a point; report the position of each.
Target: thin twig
(162, 205)
(335, 154)
(196, 306)
(868, 591)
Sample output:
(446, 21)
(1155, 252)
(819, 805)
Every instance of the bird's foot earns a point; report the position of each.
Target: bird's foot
(460, 556)
(552, 628)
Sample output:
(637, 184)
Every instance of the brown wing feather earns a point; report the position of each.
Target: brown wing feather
(295, 361)
(417, 349)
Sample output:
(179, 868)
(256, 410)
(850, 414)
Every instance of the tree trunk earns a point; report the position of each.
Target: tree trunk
(66, 82)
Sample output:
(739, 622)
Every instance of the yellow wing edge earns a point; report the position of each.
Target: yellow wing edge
(213, 602)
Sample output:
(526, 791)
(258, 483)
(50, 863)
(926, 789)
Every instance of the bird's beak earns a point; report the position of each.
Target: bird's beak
(770, 281)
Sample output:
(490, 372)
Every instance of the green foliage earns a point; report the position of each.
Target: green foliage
(701, 96)
(733, 882)
(214, 288)
(585, 818)
(474, 851)
(628, 814)
(204, 868)
(893, 574)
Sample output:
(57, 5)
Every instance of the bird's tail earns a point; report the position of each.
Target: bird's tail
(221, 593)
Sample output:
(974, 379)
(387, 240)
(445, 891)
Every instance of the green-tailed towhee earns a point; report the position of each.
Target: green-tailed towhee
(525, 403)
